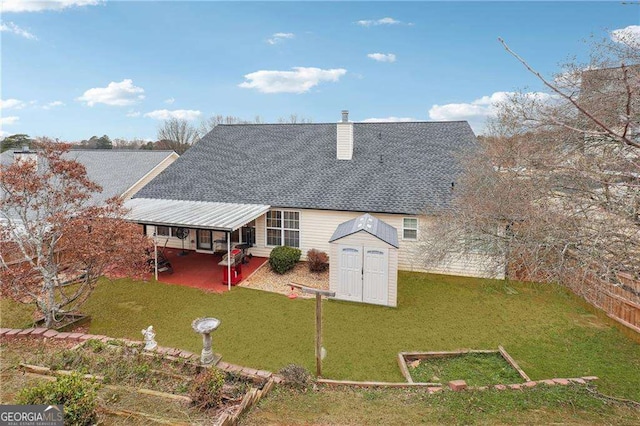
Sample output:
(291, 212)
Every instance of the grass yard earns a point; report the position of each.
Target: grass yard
(546, 330)
(476, 369)
(571, 405)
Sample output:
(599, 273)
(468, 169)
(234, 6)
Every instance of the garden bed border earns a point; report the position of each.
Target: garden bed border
(252, 374)
(458, 385)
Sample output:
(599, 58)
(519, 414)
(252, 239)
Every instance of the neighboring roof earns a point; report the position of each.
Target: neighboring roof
(367, 223)
(396, 167)
(193, 214)
(114, 170)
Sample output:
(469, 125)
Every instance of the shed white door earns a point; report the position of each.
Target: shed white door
(375, 279)
(350, 274)
(363, 274)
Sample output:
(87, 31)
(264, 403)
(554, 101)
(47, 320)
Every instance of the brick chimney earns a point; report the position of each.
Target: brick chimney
(344, 138)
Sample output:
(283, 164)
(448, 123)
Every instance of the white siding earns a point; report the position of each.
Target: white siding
(149, 176)
(317, 226)
(189, 242)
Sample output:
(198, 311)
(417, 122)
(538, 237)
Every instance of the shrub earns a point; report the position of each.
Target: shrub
(318, 260)
(284, 258)
(206, 388)
(296, 376)
(77, 395)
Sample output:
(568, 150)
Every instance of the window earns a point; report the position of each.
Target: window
(166, 231)
(204, 239)
(410, 228)
(283, 228)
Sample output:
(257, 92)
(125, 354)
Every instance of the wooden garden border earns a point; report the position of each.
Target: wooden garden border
(403, 357)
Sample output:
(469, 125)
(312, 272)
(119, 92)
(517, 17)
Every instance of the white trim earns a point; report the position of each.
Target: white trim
(173, 155)
(417, 229)
(282, 228)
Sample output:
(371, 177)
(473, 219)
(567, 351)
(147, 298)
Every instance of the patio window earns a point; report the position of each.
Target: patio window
(283, 228)
(166, 231)
(410, 228)
(204, 239)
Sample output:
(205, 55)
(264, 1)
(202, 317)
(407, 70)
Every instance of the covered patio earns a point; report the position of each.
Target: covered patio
(201, 270)
(194, 268)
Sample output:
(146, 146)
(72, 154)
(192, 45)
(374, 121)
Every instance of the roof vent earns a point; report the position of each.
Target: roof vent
(344, 138)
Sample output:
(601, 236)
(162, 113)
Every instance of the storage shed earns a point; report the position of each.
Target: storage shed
(363, 263)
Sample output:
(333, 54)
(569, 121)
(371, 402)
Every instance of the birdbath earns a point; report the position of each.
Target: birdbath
(205, 326)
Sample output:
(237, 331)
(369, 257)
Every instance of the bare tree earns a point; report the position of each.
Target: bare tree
(555, 187)
(207, 125)
(177, 134)
(294, 119)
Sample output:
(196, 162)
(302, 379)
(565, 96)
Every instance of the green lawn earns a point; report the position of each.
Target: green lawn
(547, 331)
(571, 405)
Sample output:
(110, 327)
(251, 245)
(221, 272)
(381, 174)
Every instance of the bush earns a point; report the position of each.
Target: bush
(206, 388)
(318, 260)
(77, 395)
(296, 376)
(284, 258)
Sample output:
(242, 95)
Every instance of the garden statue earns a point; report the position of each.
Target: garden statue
(149, 338)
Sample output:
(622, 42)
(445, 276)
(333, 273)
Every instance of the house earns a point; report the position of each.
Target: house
(119, 172)
(294, 184)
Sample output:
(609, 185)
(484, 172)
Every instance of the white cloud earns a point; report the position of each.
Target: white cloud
(279, 37)
(300, 80)
(41, 5)
(180, 114)
(115, 94)
(133, 114)
(7, 121)
(10, 27)
(382, 21)
(629, 35)
(11, 104)
(169, 101)
(53, 104)
(382, 57)
(477, 111)
(389, 120)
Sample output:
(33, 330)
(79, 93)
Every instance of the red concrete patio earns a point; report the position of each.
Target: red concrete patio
(201, 270)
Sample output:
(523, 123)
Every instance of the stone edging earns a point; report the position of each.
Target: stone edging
(248, 373)
(459, 385)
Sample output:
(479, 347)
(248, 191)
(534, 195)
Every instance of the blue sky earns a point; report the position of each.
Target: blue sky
(76, 68)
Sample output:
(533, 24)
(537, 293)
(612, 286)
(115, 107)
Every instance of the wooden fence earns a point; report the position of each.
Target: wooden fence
(620, 301)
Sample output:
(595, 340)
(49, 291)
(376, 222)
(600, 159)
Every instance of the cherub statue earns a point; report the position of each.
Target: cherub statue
(149, 338)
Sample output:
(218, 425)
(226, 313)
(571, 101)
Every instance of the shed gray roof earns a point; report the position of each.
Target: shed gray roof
(396, 167)
(114, 170)
(367, 223)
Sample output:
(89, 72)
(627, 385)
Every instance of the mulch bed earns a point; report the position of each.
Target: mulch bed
(267, 280)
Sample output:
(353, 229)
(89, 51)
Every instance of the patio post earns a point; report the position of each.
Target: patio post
(229, 259)
(155, 253)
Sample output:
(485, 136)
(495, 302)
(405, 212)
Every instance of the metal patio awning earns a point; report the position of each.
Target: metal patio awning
(225, 217)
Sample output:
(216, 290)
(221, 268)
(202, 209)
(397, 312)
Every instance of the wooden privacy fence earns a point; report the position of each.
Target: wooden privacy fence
(620, 302)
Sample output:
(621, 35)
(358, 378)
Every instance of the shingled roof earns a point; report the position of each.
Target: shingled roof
(114, 170)
(396, 167)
